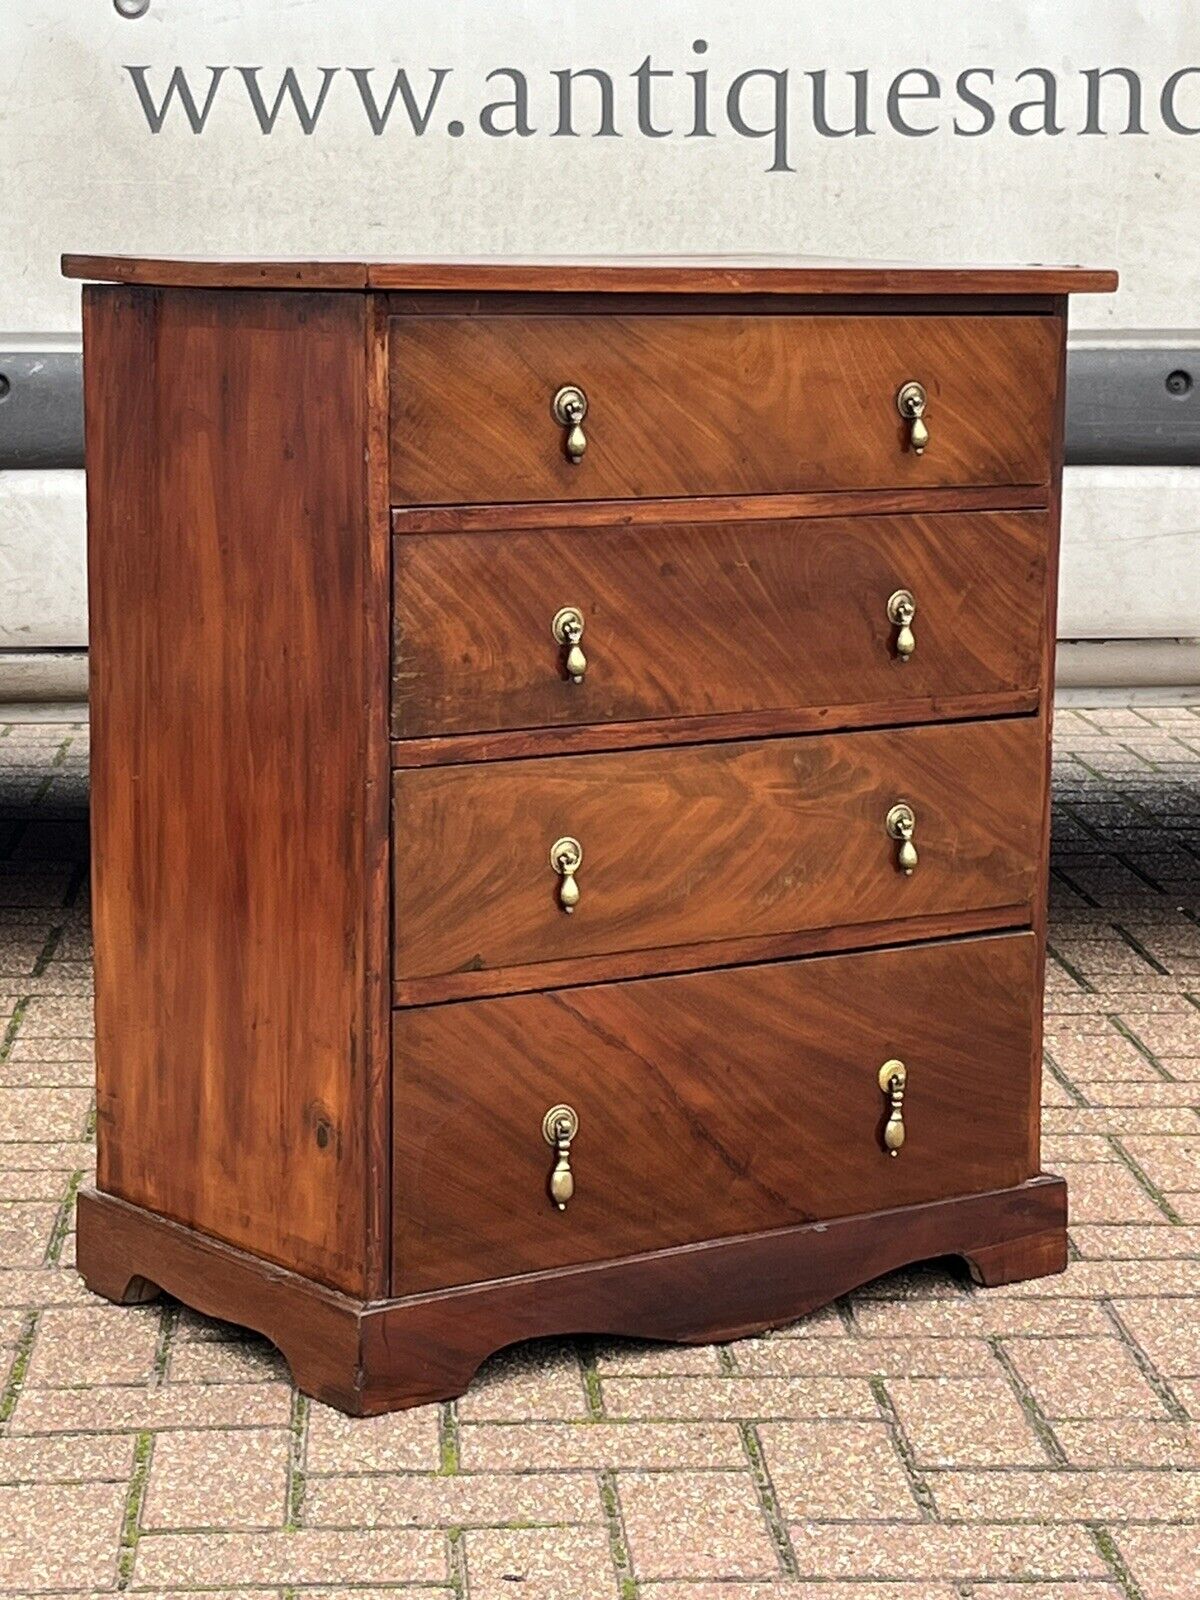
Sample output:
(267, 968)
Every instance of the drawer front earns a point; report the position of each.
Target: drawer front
(710, 1104)
(710, 842)
(698, 619)
(711, 405)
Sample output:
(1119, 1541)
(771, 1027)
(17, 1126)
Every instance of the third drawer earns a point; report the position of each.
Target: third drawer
(719, 618)
(707, 844)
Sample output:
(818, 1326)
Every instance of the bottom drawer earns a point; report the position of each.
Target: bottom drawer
(708, 1104)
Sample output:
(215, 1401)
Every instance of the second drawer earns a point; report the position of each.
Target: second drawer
(703, 619)
(710, 843)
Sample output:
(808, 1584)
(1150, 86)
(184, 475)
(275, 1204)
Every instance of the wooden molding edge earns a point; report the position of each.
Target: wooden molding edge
(370, 1357)
(619, 965)
(808, 505)
(720, 727)
(608, 274)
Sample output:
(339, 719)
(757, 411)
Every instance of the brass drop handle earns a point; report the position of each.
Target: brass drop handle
(910, 403)
(559, 1127)
(893, 1075)
(901, 824)
(570, 407)
(567, 629)
(901, 609)
(566, 857)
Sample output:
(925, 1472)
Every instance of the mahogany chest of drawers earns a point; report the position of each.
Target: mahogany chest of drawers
(570, 794)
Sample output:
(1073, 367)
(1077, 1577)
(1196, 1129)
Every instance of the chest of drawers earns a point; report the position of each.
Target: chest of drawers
(570, 768)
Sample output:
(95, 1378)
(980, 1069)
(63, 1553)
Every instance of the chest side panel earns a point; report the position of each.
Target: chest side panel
(232, 838)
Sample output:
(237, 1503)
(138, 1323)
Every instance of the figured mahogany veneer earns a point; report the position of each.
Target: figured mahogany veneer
(709, 1104)
(714, 618)
(711, 842)
(331, 517)
(686, 405)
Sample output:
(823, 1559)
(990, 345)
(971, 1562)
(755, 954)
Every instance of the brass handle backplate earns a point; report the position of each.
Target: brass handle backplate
(567, 629)
(893, 1075)
(901, 609)
(559, 1127)
(566, 857)
(570, 407)
(911, 400)
(901, 824)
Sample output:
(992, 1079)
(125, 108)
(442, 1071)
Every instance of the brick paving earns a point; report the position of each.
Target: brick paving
(918, 1441)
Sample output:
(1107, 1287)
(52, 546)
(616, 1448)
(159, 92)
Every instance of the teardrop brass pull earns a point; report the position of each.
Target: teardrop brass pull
(570, 407)
(559, 1127)
(566, 857)
(893, 1075)
(901, 609)
(910, 403)
(901, 824)
(567, 629)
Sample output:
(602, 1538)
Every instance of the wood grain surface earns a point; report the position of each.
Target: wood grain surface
(681, 405)
(709, 1104)
(233, 707)
(710, 842)
(367, 1359)
(1041, 907)
(678, 274)
(377, 807)
(717, 508)
(697, 619)
(438, 750)
(609, 967)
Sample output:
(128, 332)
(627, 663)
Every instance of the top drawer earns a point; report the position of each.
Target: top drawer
(714, 405)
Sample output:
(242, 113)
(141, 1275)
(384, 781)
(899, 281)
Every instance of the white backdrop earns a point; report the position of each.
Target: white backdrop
(80, 168)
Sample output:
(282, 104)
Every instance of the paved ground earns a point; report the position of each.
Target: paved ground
(918, 1440)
